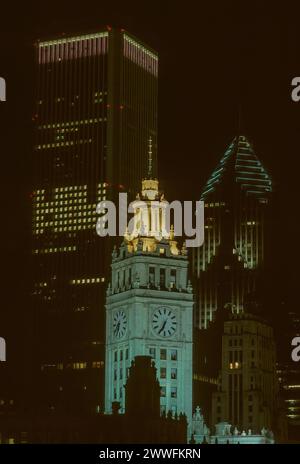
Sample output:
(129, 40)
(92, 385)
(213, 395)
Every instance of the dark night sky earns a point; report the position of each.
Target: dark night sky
(214, 58)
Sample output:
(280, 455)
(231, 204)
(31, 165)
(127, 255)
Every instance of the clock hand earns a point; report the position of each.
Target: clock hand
(163, 326)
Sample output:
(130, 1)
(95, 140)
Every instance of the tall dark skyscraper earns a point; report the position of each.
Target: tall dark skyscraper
(226, 267)
(235, 365)
(96, 110)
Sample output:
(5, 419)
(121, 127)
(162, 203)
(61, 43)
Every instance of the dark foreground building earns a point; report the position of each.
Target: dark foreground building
(141, 423)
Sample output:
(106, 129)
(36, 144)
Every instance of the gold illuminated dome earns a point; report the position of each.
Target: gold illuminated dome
(148, 227)
(150, 189)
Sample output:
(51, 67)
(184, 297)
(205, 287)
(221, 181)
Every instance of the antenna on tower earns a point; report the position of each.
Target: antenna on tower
(150, 160)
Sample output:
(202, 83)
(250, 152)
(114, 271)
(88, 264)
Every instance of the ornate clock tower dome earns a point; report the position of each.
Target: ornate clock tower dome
(149, 307)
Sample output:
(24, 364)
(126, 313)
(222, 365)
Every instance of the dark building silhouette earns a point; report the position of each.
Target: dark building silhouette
(96, 110)
(142, 391)
(141, 423)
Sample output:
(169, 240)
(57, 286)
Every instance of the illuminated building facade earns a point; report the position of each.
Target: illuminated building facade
(247, 395)
(289, 373)
(236, 197)
(96, 108)
(149, 309)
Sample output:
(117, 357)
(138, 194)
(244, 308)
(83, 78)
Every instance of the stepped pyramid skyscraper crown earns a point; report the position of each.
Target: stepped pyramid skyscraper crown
(240, 164)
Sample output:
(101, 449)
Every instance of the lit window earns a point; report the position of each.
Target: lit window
(173, 373)
(152, 352)
(174, 355)
(173, 392)
(163, 354)
(163, 372)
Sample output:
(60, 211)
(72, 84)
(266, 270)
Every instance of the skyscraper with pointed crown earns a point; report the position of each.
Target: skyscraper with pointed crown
(236, 197)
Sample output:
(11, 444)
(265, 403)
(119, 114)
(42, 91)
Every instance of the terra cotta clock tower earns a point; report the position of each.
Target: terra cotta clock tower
(149, 308)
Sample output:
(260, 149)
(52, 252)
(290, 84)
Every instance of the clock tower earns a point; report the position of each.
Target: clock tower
(149, 307)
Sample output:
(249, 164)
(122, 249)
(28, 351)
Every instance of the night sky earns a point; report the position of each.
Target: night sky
(217, 59)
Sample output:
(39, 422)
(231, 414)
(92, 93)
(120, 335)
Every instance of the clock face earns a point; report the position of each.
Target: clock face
(164, 322)
(119, 324)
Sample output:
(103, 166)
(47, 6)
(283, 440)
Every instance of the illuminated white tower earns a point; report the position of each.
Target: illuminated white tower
(149, 307)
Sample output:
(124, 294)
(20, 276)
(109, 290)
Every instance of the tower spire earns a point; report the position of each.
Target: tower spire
(150, 159)
(239, 119)
(241, 129)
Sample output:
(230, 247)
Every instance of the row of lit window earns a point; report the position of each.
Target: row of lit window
(70, 187)
(58, 206)
(46, 209)
(93, 280)
(235, 365)
(66, 229)
(74, 365)
(63, 144)
(66, 130)
(214, 204)
(72, 123)
(74, 216)
(71, 203)
(164, 354)
(69, 196)
(204, 378)
(62, 213)
(173, 392)
(63, 222)
(173, 373)
(42, 251)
